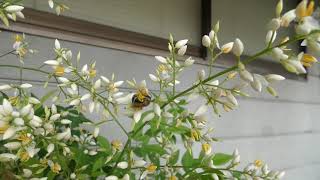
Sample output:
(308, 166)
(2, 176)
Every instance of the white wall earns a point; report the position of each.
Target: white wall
(152, 17)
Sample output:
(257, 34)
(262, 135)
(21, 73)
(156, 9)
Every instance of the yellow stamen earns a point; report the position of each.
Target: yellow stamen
(309, 58)
(142, 93)
(24, 138)
(116, 144)
(151, 168)
(258, 163)
(14, 100)
(310, 9)
(162, 68)
(301, 10)
(92, 73)
(195, 135)
(56, 168)
(18, 38)
(232, 75)
(172, 178)
(206, 148)
(24, 156)
(306, 64)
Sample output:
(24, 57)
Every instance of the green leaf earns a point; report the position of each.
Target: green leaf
(189, 162)
(156, 148)
(221, 159)
(4, 19)
(174, 158)
(98, 164)
(104, 143)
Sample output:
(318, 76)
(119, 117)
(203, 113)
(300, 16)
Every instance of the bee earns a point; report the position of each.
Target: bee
(141, 99)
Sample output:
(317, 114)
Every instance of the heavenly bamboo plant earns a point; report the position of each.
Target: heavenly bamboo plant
(50, 137)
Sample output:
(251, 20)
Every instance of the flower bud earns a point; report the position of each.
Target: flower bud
(188, 62)
(27, 173)
(5, 87)
(96, 132)
(279, 8)
(256, 84)
(181, 43)
(274, 77)
(206, 42)
(237, 47)
(57, 44)
(227, 47)
(161, 59)
(122, 165)
(271, 34)
(201, 74)
(154, 78)
(13, 145)
(182, 50)
(246, 75)
(50, 148)
(157, 109)
(274, 24)
(14, 8)
(231, 98)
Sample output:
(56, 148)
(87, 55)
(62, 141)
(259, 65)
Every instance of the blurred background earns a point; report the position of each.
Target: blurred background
(123, 36)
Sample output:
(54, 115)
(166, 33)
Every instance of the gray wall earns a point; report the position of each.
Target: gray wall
(282, 131)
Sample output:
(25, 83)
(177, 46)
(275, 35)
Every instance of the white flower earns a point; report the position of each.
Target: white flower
(226, 48)
(201, 74)
(307, 25)
(18, 121)
(161, 59)
(73, 176)
(271, 34)
(6, 157)
(126, 177)
(64, 135)
(96, 132)
(188, 62)
(33, 100)
(278, 54)
(148, 117)
(9, 133)
(31, 150)
(25, 86)
(63, 79)
(288, 17)
(237, 47)
(256, 84)
(54, 117)
(111, 178)
(12, 145)
(274, 24)
(274, 77)
(137, 116)
(5, 87)
(27, 173)
(74, 102)
(85, 97)
(246, 75)
(52, 62)
(206, 41)
(51, 3)
(7, 108)
(25, 110)
(97, 84)
(65, 121)
(20, 14)
(14, 8)
(139, 163)
(181, 43)
(157, 109)
(182, 50)
(231, 98)
(201, 110)
(122, 165)
(154, 78)
(50, 148)
(57, 44)
(125, 100)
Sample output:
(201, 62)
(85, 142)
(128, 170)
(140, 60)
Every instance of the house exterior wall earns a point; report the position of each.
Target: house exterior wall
(284, 131)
